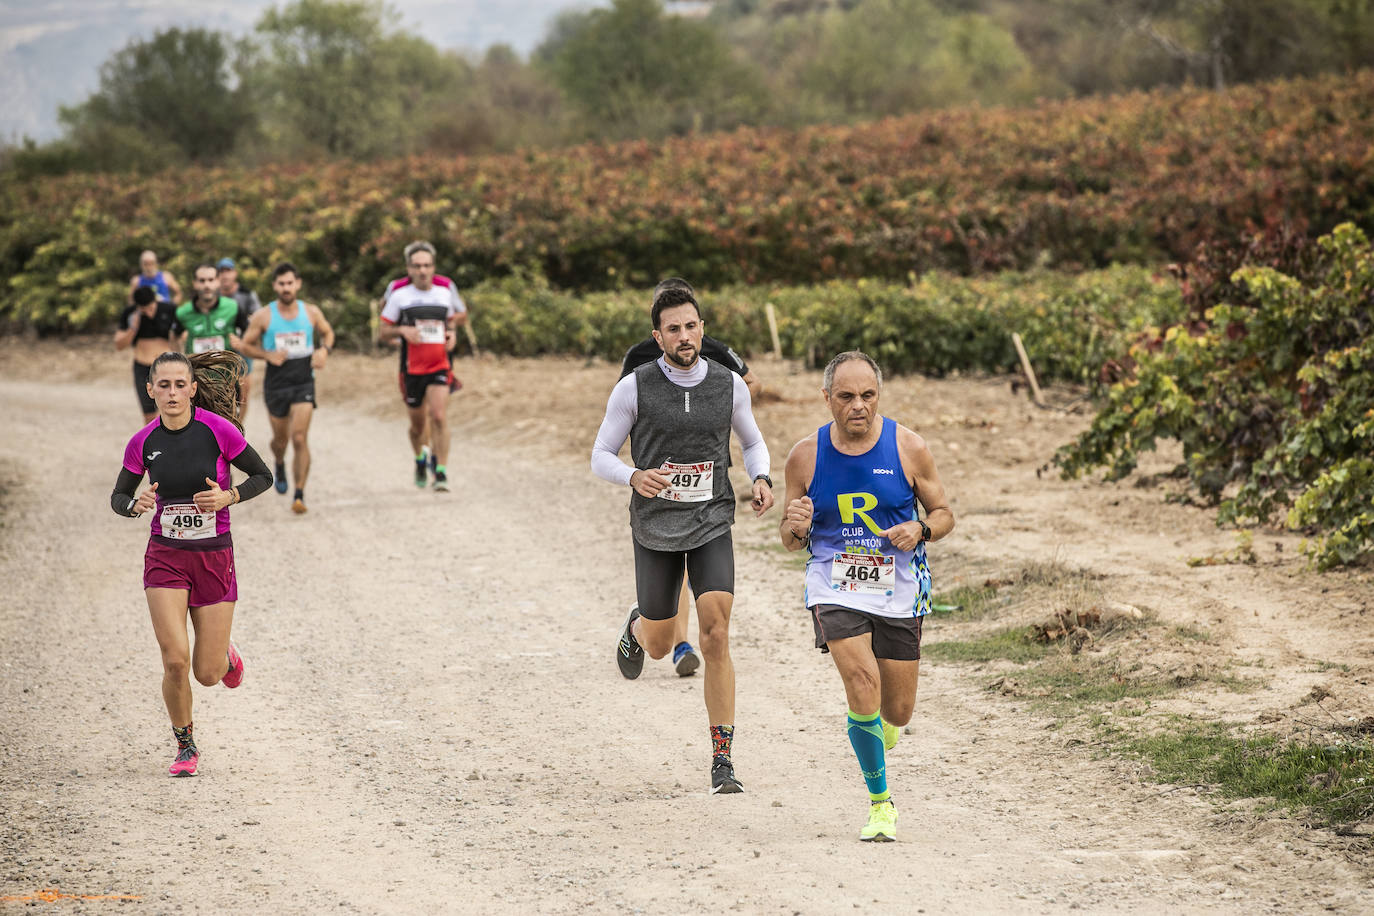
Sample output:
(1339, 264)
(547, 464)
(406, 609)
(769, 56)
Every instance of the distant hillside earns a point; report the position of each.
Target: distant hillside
(83, 35)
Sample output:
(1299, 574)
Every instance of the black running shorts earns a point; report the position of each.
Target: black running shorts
(279, 398)
(896, 638)
(413, 387)
(141, 387)
(658, 574)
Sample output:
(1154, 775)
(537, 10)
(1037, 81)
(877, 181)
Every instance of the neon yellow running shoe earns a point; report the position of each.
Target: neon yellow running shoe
(890, 735)
(882, 823)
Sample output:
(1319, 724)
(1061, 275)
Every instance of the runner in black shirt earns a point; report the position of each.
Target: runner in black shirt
(147, 326)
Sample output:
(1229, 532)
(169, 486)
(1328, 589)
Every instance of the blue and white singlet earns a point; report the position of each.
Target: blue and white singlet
(854, 497)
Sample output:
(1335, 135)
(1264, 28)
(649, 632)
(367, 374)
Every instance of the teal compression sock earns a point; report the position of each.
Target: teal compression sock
(866, 735)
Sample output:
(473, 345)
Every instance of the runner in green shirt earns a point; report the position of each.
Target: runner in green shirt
(212, 321)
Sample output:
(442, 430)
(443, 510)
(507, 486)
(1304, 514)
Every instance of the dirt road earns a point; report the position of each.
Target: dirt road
(432, 718)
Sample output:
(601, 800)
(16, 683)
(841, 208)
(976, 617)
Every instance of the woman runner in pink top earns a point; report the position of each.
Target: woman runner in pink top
(188, 568)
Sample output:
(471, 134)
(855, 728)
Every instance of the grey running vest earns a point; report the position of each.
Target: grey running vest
(683, 425)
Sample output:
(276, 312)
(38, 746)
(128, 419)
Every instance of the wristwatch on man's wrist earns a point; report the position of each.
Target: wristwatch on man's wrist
(925, 530)
(766, 479)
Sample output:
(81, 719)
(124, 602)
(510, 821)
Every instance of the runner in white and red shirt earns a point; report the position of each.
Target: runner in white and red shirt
(422, 310)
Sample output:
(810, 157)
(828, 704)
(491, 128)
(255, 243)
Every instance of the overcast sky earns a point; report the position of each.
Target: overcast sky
(51, 50)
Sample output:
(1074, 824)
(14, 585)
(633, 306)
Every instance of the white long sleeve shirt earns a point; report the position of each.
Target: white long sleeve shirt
(623, 409)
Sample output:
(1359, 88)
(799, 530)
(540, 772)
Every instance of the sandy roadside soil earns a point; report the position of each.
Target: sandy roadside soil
(432, 718)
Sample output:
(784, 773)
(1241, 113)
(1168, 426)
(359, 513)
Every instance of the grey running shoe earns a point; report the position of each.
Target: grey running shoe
(723, 781)
(629, 655)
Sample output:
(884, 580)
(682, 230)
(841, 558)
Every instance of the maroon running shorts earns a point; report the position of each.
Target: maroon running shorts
(206, 575)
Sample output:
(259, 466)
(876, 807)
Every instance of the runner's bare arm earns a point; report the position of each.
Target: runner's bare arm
(323, 333)
(125, 336)
(460, 307)
(919, 465)
(172, 285)
(795, 527)
(388, 332)
(251, 345)
(133, 285)
(323, 329)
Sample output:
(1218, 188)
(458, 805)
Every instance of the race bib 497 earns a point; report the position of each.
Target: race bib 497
(688, 483)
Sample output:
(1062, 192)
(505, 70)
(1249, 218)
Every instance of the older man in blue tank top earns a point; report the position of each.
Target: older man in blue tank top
(853, 488)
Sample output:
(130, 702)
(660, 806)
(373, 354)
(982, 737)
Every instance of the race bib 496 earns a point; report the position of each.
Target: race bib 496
(185, 522)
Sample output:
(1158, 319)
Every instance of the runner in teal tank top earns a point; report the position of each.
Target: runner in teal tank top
(855, 491)
(294, 339)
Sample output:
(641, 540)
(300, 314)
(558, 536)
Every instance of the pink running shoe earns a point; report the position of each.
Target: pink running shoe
(185, 764)
(234, 676)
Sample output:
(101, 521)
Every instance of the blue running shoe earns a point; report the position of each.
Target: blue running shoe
(685, 660)
(280, 474)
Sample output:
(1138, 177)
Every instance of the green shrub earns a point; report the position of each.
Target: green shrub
(1273, 401)
(935, 325)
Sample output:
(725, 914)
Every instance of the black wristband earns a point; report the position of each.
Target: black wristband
(925, 530)
(766, 479)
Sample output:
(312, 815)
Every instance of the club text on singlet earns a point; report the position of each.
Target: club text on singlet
(854, 497)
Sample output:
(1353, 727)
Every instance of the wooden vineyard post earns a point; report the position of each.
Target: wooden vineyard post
(773, 328)
(1026, 367)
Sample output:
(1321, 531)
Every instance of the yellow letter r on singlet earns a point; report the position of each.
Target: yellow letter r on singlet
(849, 511)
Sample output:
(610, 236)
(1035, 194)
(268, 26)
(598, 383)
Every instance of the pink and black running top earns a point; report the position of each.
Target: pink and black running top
(179, 461)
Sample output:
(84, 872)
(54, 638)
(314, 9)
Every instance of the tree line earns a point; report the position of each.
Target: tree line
(341, 79)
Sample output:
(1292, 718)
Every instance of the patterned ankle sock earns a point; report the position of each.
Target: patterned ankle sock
(184, 737)
(866, 736)
(721, 736)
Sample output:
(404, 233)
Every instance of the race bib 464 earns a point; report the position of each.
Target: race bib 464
(867, 574)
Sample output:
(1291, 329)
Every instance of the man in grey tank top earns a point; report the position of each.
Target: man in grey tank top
(678, 413)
